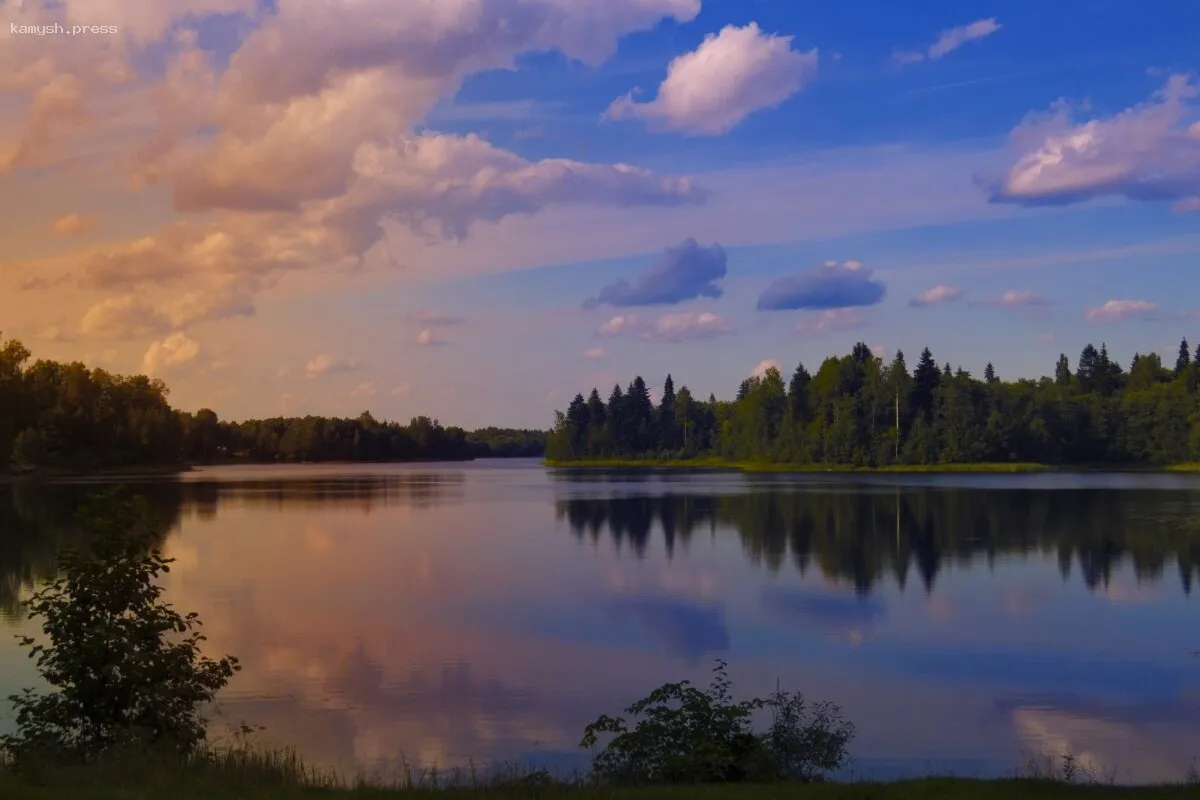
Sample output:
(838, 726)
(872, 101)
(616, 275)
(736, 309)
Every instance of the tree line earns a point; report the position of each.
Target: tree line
(68, 416)
(858, 411)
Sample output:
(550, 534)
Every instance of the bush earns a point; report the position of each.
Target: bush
(686, 735)
(126, 666)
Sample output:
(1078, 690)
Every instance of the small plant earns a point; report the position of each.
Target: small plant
(126, 667)
(1070, 769)
(686, 735)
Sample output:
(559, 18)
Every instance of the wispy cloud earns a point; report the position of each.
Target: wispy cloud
(1121, 310)
(948, 41)
(938, 295)
(688, 327)
(830, 320)
(328, 365)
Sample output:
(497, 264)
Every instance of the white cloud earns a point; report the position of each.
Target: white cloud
(1120, 310)
(1016, 298)
(950, 40)
(688, 326)
(365, 390)
(594, 352)
(936, 296)
(125, 317)
(328, 365)
(761, 368)
(173, 351)
(834, 319)
(1148, 152)
(73, 224)
(617, 325)
(729, 76)
(426, 339)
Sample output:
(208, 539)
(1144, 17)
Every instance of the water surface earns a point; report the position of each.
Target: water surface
(488, 611)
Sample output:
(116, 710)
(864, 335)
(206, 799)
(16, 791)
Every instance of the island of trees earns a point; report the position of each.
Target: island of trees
(857, 411)
(68, 417)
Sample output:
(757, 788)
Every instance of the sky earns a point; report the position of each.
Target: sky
(474, 209)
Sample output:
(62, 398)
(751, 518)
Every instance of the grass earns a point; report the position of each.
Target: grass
(753, 466)
(1193, 466)
(281, 775)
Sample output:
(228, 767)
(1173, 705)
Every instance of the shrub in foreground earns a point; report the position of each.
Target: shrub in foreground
(125, 666)
(685, 735)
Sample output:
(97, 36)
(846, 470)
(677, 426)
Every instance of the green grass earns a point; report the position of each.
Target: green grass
(1190, 467)
(753, 466)
(281, 775)
(926, 789)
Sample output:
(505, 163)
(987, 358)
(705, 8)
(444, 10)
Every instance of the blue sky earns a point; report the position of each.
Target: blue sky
(999, 181)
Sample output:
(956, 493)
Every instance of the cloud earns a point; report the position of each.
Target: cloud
(426, 339)
(131, 316)
(829, 286)
(125, 317)
(403, 390)
(328, 365)
(617, 325)
(52, 333)
(310, 166)
(433, 319)
(731, 75)
(1121, 310)
(73, 225)
(1147, 152)
(830, 320)
(366, 389)
(1017, 299)
(936, 296)
(688, 327)
(761, 368)
(950, 40)
(594, 352)
(173, 351)
(682, 273)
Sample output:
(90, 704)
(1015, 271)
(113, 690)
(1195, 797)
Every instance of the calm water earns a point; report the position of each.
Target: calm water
(486, 611)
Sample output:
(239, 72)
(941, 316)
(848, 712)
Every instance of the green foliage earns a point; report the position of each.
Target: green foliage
(125, 666)
(857, 411)
(70, 417)
(685, 735)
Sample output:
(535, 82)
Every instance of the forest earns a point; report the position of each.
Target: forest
(72, 418)
(858, 411)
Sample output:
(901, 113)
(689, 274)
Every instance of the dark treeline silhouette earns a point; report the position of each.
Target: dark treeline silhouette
(863, 538)
(856, 410)
(68, 416)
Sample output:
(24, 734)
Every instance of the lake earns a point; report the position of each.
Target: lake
(441, 613)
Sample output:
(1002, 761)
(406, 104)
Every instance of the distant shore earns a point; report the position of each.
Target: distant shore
(717, 464)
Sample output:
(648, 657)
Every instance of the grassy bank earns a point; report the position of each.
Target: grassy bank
(751, 466)
(926, 789)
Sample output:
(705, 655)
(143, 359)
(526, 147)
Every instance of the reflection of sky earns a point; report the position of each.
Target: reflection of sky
(459, 620)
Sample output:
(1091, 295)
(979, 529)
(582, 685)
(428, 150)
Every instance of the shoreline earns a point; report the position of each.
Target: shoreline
(982, 468)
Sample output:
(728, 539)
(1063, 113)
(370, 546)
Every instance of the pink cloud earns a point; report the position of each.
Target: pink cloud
(731, 75)
(1121, 310)
(837, 319)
